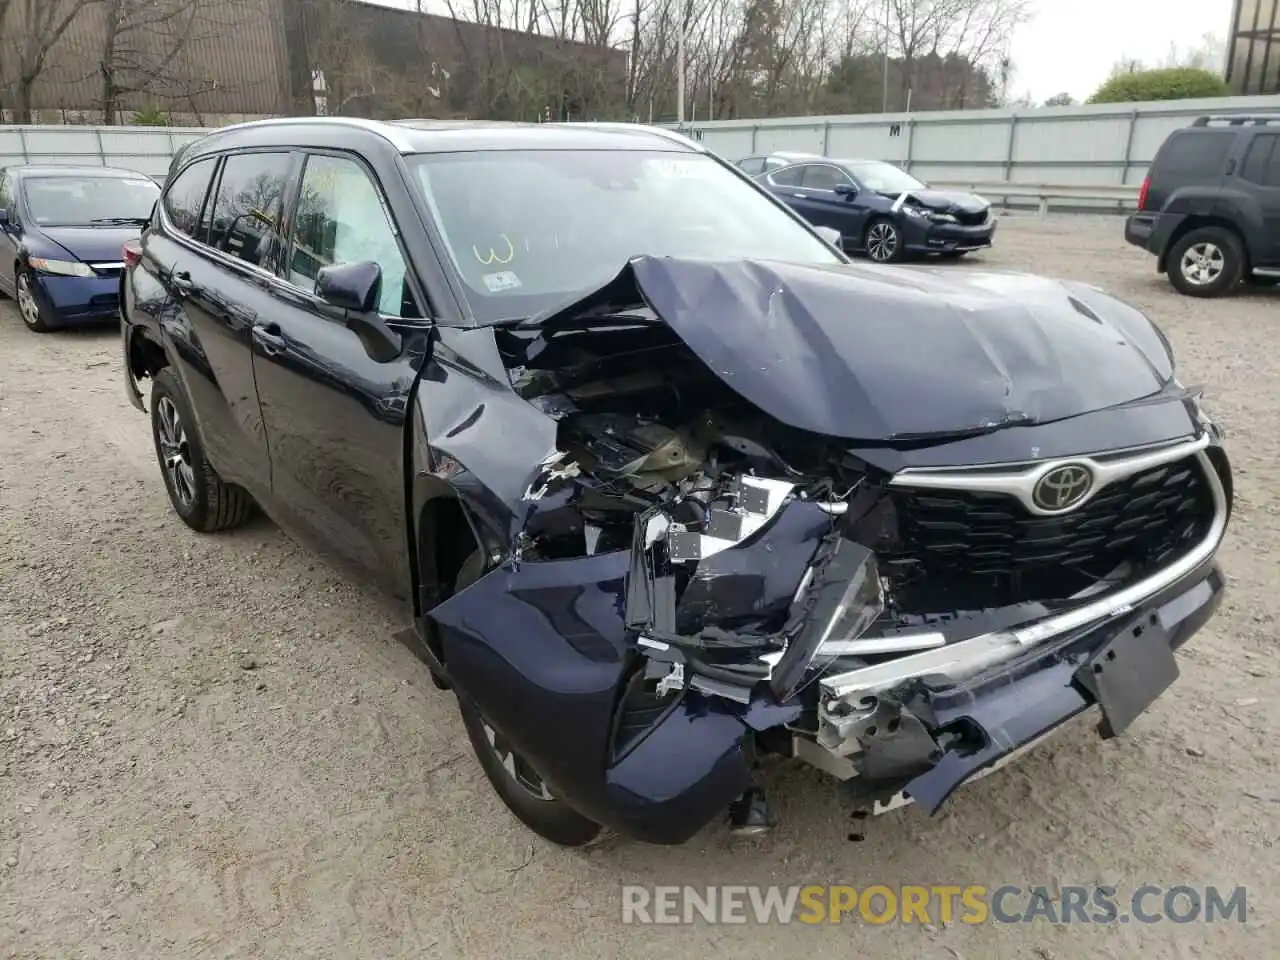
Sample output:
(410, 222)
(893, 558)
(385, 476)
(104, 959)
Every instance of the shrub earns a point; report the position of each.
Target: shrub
(1174, 83)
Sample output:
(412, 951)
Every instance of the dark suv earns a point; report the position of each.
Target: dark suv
(662, 480)
(1209, 208)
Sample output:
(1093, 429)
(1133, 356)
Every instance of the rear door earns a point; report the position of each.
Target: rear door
(221, 287)
(183, 282)
(788, 184)
(843, 211)
(1259, 174)
(335, 417)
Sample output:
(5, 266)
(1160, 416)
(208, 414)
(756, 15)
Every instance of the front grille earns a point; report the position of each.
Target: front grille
(971, 219)
(946, 537)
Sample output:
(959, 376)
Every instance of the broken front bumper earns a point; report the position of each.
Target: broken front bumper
(548, 649)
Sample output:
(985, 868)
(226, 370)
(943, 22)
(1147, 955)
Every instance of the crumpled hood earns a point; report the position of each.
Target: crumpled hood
(945, 201)
(885, 353)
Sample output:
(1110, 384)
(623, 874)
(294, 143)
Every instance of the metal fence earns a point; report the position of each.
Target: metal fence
(1101, 144)
(147, 150)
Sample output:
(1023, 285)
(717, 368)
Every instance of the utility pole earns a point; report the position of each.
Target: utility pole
(884, 105)
(680, 67)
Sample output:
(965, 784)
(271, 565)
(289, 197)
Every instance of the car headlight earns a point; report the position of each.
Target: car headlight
(64, 268)
(923, 214)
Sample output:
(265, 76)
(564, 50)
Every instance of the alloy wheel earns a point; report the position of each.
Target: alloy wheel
(882, 242)
(176, 452)
(1203, 263)
(27, 305)
(516, 766)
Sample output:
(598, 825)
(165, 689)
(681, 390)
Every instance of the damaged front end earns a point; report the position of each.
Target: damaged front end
(722, 557)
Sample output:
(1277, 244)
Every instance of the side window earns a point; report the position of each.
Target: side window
(1262, 162)
(1194, 154)
(752, 166)
(247, 207)
(6, 190)
(788, 176)
(822, 176)
(184, 198)
(341, 219)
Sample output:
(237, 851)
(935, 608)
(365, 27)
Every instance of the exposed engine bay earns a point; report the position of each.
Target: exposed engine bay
(803, 559)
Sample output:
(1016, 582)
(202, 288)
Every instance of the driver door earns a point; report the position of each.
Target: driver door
(335, 418)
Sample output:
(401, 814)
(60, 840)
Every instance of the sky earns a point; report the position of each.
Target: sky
(1070, 45)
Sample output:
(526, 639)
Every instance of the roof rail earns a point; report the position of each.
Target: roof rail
(1237, 120)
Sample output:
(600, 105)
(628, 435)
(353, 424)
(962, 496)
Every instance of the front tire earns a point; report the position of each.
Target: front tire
(28, 305)
(521, 787)
(883, 241)
(199, 496)
(515, 781)
(1207, 262)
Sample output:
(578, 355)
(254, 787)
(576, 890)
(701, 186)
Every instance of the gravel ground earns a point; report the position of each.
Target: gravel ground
(210, 746)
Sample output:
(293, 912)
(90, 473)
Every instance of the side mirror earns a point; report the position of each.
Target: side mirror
(846, 190)
(351, 286)
(356, 289)
(831, 235)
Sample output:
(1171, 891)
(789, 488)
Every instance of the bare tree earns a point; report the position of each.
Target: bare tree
(34, 28)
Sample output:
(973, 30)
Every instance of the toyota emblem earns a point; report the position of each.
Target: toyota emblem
(1062, 487)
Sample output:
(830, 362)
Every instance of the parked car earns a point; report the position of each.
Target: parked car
(1209, 207)
(754, 166)
(882, 210)
(663, 481)
(62, 229)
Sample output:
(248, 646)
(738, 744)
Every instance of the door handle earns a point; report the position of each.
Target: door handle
(800, 196)
(271, 338)
(182, 282)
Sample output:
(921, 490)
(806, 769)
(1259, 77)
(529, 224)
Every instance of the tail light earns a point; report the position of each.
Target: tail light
(132, 253)
(1142, 193)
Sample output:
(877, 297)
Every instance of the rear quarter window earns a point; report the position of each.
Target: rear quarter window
(184, 199)
(1194, 155)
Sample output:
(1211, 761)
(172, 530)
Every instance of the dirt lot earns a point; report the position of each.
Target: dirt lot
(211, 747)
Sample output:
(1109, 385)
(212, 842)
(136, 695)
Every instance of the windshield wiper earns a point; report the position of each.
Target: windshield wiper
(140, 221)
(1013, 419)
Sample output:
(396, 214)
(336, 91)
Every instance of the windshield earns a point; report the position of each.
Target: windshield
(882, 177)
(82, 201)
(530, 229)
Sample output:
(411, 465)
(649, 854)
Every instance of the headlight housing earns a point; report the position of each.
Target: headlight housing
(63, 268)
(932, 215)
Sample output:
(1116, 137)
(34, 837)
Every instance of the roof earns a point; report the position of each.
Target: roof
(451, 136)
(67, 170)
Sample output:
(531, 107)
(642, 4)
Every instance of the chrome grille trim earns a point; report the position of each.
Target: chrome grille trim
(968, 657)
(1019, 480)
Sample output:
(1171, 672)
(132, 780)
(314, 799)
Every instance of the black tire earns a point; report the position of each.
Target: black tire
(548, 816)
(199, 496)
(28, 306)
(515, 782)
(882, 241)
(1206, 262)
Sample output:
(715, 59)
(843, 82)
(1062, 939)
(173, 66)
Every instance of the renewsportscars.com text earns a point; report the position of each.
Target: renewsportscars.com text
(938, 903)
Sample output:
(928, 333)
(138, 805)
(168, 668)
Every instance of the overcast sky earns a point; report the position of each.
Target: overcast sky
(1070, 45)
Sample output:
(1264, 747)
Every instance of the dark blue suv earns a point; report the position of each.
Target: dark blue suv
(881, 209)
